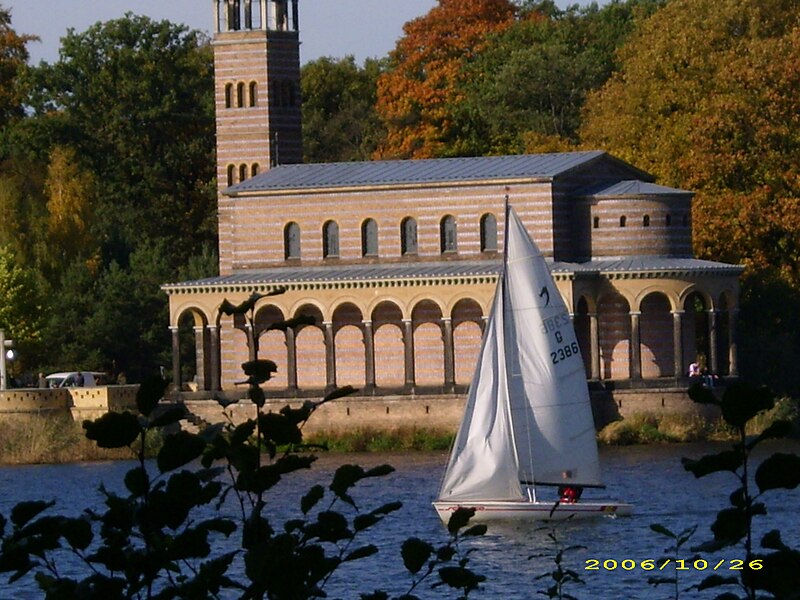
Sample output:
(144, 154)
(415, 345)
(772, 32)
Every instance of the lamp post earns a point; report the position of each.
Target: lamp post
(4, 343)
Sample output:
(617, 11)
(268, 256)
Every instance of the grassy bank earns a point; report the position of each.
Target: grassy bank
(39, 440)
(374, 440)
(647, 428)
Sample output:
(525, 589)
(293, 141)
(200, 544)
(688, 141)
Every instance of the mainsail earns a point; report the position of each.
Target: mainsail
(528, 417)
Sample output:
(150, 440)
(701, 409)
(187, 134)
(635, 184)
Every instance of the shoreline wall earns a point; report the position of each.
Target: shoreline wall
(383, 413)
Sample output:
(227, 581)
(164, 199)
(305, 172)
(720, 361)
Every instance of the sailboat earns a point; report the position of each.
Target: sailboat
(527, 425)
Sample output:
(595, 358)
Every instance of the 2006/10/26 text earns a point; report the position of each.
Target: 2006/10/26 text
(595, 564)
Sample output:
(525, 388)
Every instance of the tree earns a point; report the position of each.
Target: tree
(523, 92)
(705, 98)
(21, 303)
(134, 98)
(417, 94)
(13, 57)
(339, 118)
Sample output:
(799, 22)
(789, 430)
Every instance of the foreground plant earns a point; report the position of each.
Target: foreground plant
(776, 568)
(185, 524)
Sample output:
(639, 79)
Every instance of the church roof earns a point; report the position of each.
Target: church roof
(419, 171)
(631, 188)
(472, 271)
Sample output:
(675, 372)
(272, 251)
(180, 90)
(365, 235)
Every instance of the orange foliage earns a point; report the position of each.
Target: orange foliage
(415, 98)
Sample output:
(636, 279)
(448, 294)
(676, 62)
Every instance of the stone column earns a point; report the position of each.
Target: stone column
(677, 341)
(635, 351)
(408, 342)
(713, 357)
(733, 358)
(594, 345)
(291, 359)
(200, 357)
(449, 354)
(330, 355)
(214, 357)
(251, 341)
(176, 358)
(369, 354)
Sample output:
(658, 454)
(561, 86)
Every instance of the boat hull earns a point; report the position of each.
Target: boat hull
(499, 510)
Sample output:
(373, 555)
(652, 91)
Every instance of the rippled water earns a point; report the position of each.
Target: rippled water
(650, 477)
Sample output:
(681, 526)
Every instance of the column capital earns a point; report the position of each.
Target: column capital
(174, 328)
(677, 313)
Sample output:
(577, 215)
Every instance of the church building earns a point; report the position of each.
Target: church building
(397, 260)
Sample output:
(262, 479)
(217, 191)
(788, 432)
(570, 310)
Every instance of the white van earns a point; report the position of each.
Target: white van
(59, 380)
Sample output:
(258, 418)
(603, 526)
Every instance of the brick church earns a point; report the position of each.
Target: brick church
(397, 260)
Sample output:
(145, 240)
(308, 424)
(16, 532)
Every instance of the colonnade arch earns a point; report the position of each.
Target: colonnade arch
(401, 340)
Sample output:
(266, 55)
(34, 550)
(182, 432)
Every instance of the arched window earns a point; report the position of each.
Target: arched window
(253, 93)
(488, 233)
(408, 236)
(291, 241)
(646, 221)
(231, 172)
(228, 95)
(330, 239)
(242, 172)
(668, 220)
(240, 94)
(596, 222)
(447, 234)
(253, 169)
(369, 238)
(623, 220)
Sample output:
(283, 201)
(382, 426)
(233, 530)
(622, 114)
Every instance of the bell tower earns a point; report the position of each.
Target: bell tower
(257, 94)
(257, 79)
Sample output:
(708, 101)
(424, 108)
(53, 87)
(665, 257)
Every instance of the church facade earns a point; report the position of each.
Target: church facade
(397, 260)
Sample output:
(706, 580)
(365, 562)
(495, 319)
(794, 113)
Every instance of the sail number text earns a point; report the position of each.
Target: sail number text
(564, 352)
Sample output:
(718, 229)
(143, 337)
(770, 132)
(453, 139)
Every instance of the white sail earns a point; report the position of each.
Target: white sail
(528, 415)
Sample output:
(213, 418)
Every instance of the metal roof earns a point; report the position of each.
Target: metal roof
(421, 171)
(631, 188)
(446, 270)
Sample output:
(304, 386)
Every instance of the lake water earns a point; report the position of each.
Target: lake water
(650, 477)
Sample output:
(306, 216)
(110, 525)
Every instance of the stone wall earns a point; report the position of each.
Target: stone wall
(81, 403)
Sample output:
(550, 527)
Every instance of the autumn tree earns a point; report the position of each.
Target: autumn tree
(13, 57)
(21, 304)
(417, 95)
(706, 99)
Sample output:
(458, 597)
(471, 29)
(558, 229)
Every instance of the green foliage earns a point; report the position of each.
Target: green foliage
(339, 119)
(672, 553)
(561, 575)
(162, 539)
(778, 571)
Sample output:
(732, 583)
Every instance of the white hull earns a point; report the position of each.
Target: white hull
(499, 510)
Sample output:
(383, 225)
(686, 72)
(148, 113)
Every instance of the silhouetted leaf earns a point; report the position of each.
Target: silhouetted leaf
(137, 481)
(279, 429)
(243, 432)
(459, 519)
(660, 580)
(362, 552)
(741, 402)
(702, 395)
(293, 323)
(772, 540)
(330, 526)
(228, 308)
(729, 460)
(379, 471)
(730, 525)
(256, 395)
(168, 416)
(663, 530)
(149, 394)
(776, 430)
(362, 522)
(113, 430)
(77, 532)
(339, 393)
(346, 477)
(25, 511)
(713, 581)
(310, 500)
(460, 578)
(259, 371)
(387, 508)
(779, 471)
(475, 530)
(178, 449)
(415, 553)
